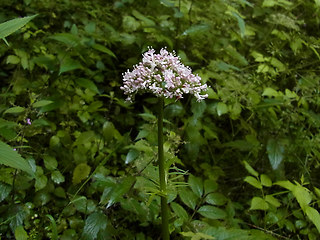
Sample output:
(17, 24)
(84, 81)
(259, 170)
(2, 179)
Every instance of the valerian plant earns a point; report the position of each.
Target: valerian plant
(166, 77)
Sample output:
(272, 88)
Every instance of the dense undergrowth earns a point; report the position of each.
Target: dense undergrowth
(244, 164)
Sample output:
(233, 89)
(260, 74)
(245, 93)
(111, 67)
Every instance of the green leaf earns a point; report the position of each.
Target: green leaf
(54, 235)
(80, 173)
(5, 189)
(94, 223)
(57, 177)
(196, 185)
(86, 83)
(253, 182)
(108, 131)
(15, 110)
(258, 203)
(270, 92)
(20, 233)
(66, 38)
(13, 25)
(11, 158)
(314, 216)
(275, 152)
(212, 212)
(217, 199)
(222, 108)
(210, 186)
(250, 169)
(103, 49)
(241, 24)
(179, 211)
(50, 162)
(12, 59)
(131, 156)
(265, 180)
(272, 200)
(69, 64)
(302, 195)
(196, 29)
(188, 198)
(42, 103)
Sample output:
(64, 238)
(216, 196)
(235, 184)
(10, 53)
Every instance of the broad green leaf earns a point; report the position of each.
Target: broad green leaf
(241, 24)
(222, 108)
(210, 186)
(270, 92)
(314, 216)
(279, 65)
(212, 212)
(217, 199)
(108, 131)
(250, 169)
(265, 180)
(179, 211)
(258, 203)
(13, 25)
(12, 59)
(275, 152)
(66, 38)
(272, 200)
(302, 195)
(196, 185)
(42, 103)
(188, 198)
(50, 162)
(197, 235)
(57, 177)
(11, 158)
(15, 110)
(69, 64)
(253, 182)
(103, 49)
(94, 223)
(131, 156)
(80, 173)
(20, 233)
(84, 137)
(286, 184)
(196, 29)
(86, 83)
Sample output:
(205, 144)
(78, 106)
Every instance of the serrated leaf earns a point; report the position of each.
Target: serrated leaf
(253, 182)
(13, 25)
(217, 199)
(15, 110)
(212, 212)
(314, 216)
(250, 169)
(11, 158)
(179, 210)
(42, 103)
(275, 152)
(258, 203)
(94, 223)
(196, 185)
(80, 173)
(188, 198)
(265, 180)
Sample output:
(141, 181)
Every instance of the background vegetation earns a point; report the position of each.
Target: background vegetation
(244, 163)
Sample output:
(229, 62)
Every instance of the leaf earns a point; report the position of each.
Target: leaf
(270, 92)
(275, 153)
(253, 182)
(196, 185)
(94, 223)
(13, 25)
(86, 83)
(265, 180)
(50, 162)
(188, 198)
(15, 110)
(210, 186)
(80, 173)
(196, 29)
(258, 203)
(11, 158)
(66, 38)
(54, 235)
(217, 199)
(222, 108)
(272, 200)
(314, 216)
(241, 24)
(212, 212)
(42, 103)
(69, 64)
(57, 177)
(103, 49)
(20, 233)
(5, 189)
(302, 195)
(131, 156)
(12, 59)
(179, 211)
(250, 169)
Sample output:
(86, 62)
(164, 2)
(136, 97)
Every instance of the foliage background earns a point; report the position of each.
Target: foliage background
(244, 163)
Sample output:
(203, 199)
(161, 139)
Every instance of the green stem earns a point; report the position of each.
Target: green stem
(162, 175)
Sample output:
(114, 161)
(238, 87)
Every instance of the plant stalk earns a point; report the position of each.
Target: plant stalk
(162, 175)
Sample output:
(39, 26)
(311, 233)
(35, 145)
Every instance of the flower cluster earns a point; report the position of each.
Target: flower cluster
(163, 75)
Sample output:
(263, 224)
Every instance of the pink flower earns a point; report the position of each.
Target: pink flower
(28, 121)
(163, 75)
